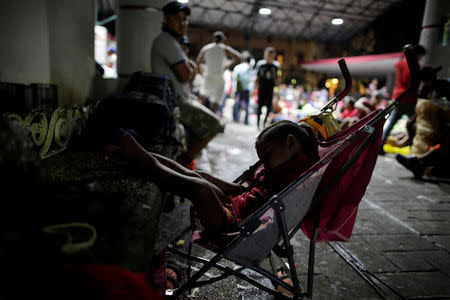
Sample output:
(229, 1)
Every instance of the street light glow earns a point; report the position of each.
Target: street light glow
(337, 21)
(265, 11)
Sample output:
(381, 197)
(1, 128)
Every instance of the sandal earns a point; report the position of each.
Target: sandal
(173, 275)
(283, 275)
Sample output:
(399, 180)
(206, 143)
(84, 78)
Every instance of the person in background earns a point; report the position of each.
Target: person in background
(242, 75)
(437, 159)
(214, 55)
(267, 78)
(432, 87)
(367, 104)
(408, 105)
(112, 58)
(373, 86)
(168, 58)
(350, 113)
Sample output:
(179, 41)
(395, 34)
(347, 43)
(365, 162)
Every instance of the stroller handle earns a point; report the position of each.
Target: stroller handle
(345, 91)
(414, 70)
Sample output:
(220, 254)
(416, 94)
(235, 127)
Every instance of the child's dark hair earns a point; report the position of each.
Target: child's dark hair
(279, 131)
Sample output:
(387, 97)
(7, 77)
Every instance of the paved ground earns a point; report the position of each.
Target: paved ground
(400, 247)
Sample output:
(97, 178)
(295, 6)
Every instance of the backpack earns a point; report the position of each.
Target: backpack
(155, 84)
(146, 114)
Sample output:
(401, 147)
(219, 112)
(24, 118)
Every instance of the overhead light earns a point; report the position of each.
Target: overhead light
(265, 11)
(183, 1)
(337, 21)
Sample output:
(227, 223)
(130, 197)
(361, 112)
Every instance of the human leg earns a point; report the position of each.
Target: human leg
(237, 107)
(195, 146)
(390, 122)
(245, 95)
(258, 112)
(268, 104)
(410, 111)
(203, 125)
(168, 175)
(216, 90)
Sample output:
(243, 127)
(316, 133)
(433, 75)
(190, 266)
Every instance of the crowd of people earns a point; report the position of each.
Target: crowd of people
(219, 72)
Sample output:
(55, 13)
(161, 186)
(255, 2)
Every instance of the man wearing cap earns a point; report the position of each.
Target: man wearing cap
(267, 77)
(214, 55)
(168, 58)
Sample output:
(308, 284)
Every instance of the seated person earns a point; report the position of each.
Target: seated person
(435, 161)
(350, 113)
(167, 57)
(368, 104)
(437, 158)
(276, 114)
(285, 149)
(433, 87)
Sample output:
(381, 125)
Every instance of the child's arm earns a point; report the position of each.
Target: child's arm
(228, 188)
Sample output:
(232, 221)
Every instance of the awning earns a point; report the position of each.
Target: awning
(379, 65)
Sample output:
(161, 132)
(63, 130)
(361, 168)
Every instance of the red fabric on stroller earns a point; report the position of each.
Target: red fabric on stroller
(339, 206)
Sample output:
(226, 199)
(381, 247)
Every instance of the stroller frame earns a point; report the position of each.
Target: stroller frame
(283, 249)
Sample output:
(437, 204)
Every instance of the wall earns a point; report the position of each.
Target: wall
(49, 41)
(71, 31)
(24, 40)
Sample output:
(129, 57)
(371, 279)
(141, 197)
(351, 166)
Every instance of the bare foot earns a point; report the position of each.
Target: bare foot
(110, 151)
(285, 278)
(130, 148)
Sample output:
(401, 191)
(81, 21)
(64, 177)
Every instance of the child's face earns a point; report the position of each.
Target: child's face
(274, 153)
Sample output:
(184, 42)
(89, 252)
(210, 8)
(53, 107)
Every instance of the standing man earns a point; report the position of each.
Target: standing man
(267, 78)
(242, 75)
(214, 55)
(408, 105)
(168, 58)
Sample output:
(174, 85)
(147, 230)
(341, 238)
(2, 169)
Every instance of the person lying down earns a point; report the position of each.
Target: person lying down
(285, 149)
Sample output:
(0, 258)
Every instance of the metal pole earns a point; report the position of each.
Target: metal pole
(431, 28)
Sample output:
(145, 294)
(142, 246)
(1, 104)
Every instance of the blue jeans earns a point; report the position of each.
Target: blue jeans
(402, 109)
(242, 100)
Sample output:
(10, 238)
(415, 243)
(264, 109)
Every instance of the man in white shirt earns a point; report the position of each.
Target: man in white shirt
(214, 55)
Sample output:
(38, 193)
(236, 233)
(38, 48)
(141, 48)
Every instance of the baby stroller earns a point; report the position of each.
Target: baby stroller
(322, 202)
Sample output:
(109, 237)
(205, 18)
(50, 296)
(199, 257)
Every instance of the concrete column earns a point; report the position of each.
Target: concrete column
(24, 40)
(432, 27)
(71, 39)
(138, 23)
(50, 42)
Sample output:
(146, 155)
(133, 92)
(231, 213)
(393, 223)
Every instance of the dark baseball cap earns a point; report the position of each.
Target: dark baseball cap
(219, 35)
(175, 7)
